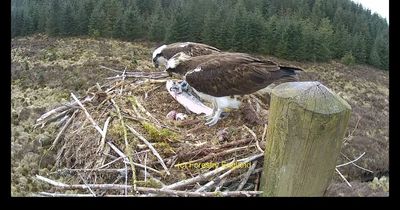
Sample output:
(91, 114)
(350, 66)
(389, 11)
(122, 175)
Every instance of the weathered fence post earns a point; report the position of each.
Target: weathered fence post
(307, 123)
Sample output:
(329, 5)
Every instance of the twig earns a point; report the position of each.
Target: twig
(123, 78)
(103, 136)
(61, 122)
(246, 177)
(91, 191)
(357, 165)
(212, 182)
(352, 132)
(111, 69)
(145, 168)
(344, 178)
(220, 185)
(52, 118)
(61, 109)
(344, 164)
(64, 195)
(146, 189)
(264, 133)
(154, 179)
(111, 162)
(235, 143)
(122, 155)
(154, 151)
(127, 147)
(146, 94)
(255, 138)
(119, 152)
(144, 109)
(165, 193)
(62, 130)
(126, 178)
(213, 155)
(195, 179)
(88, 115)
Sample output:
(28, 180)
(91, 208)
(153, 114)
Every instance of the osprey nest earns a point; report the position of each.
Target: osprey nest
(125, 138)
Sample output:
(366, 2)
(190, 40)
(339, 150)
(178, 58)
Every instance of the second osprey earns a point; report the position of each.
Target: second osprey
(223, 78)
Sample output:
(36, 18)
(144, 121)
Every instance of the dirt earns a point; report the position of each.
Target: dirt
(46, 70)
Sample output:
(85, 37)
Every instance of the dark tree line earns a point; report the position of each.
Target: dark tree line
(312, 30)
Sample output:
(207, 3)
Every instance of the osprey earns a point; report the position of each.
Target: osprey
(162, 54)
(222, 78)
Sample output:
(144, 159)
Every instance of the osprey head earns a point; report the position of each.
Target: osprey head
(175, 61)
(158, 57)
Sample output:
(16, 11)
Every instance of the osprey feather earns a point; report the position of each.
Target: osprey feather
(222, 78)
(163, 53)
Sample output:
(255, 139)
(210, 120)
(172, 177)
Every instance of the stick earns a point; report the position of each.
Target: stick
(255, 138)
(212, 182)
(164, 192)
(60, 109)
(122, 155)
(111, 69)
(144, 110)
(103, 137)
(357, 165)
(213, 155)
(88, 115)
(344, 164)
(64, 195)
(246, 177)
(145, 189)
(344, 178)
(220, 185)
(91, 191)
(123, 78)
(154, 151)
(145, 168)
(195, 179)
(127, 147)
(62, 130)
(264, 133)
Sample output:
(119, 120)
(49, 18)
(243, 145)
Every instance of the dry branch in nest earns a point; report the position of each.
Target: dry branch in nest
(116, 141)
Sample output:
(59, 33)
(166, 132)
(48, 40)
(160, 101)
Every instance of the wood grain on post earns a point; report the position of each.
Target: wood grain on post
(307, 123)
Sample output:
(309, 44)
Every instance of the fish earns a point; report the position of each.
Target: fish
(188, 100)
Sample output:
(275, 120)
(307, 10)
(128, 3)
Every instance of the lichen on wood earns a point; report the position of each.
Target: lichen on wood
(307, 123)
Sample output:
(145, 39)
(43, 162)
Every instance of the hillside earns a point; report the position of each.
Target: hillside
(46, 70)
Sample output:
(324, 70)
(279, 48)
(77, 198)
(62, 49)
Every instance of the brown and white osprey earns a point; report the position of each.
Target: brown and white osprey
(162, 54)
(222, 78)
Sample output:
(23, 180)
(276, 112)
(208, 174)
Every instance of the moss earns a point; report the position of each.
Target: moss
(159, 135)
(165, 148)
(149, 183)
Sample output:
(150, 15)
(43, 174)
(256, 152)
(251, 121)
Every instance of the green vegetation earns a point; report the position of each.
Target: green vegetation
(304, 30)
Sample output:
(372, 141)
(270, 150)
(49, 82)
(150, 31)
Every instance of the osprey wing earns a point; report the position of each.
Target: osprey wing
(238, 74)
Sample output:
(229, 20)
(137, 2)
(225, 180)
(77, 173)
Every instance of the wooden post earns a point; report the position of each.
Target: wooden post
(307, 123)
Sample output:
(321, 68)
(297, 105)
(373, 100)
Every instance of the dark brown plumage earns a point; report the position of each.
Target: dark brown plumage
(228, 74)
(222, 78)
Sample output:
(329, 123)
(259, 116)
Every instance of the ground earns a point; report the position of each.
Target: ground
(46, 70)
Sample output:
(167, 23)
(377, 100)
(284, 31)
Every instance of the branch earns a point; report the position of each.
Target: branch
(213, 182)
(344, 164)
(344, 178)
(141, 189)
(154, 151)
(62, 130)
(103, 137)
(88, 115)
(127, 147)
(246, 177)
